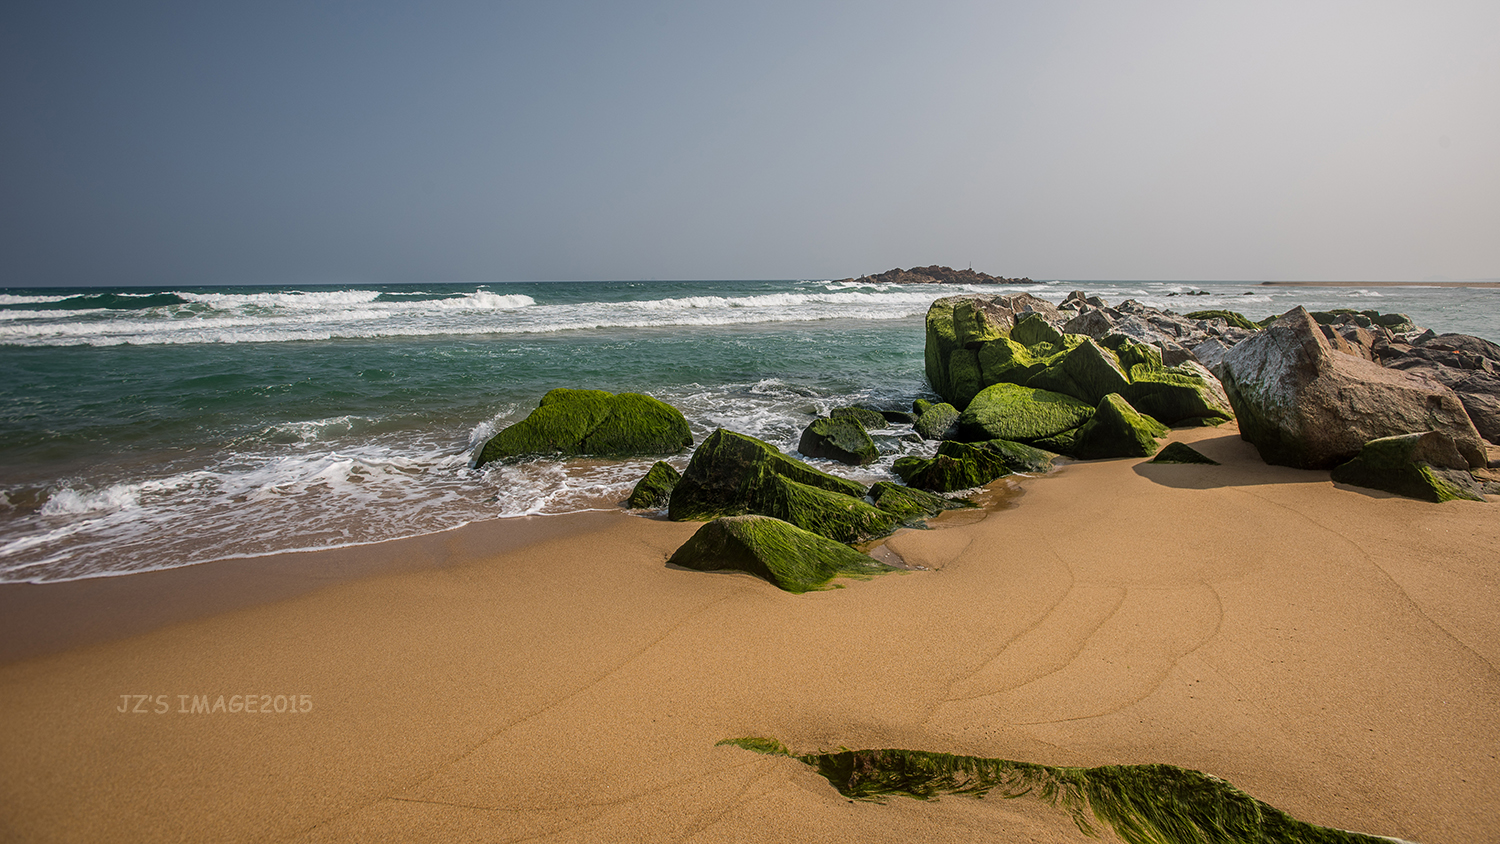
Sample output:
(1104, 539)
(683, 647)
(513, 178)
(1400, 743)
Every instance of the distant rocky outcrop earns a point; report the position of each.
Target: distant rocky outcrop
(935, 275)
(592, 422)
(1303, 404)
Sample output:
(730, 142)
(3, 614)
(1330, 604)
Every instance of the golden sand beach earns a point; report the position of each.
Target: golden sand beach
(1331, 651)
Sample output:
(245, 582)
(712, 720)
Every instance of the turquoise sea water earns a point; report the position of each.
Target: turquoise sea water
(150, 428)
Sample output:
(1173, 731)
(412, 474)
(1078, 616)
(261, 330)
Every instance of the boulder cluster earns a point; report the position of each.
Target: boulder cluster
(1381, 403)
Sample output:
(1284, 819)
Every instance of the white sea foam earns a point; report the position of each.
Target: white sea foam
(358, 314)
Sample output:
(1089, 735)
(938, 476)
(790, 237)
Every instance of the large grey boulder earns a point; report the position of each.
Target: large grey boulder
(1302, 404)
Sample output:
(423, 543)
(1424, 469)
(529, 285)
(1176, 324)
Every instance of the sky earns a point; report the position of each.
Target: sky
(146, 143)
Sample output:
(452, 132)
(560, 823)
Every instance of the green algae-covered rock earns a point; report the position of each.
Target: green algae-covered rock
(1131, 353)
(973, 325)
(727, 469)
(1087, 372)
(1182, 453)
(1183, 394)
(871, 419)
(1019, 457)
(572, 422)
(1425, 466)
(784, 554)
(840, 517)
(1032, 329)
(1234, 318)
(911, 505)
(1005, 361)
(841, 438)
(963, 376)
(955, 466)
(941, 342)
(1021, 414)
(655, 489)
(1115, 430)
(920, 406)
(937, 422)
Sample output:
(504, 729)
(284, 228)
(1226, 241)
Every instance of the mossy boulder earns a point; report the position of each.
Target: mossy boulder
(840, 517)
(955, 466)
(1426, 466)
(871, 419)
(1032, 329)
(964, 380)
(1185, 394)
(942, 340)
(1006, 361)
(793, 559)
(1234, 318)
(911, 505)
(1115, 430)
(1182, 453)
(655, 489)
(1087, 372)
(840, 438)
(1019, 457)
(1020, 414)
(725, 470)
(937, 422)
(593, 422)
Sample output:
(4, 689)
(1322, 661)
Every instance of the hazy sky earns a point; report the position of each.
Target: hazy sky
(270, 142)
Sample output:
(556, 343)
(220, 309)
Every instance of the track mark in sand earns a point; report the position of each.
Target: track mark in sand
(1373, 561)
(469, 751)
(1123, 660)
(1045, 647)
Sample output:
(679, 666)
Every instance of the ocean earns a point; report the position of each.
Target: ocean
(143, 429)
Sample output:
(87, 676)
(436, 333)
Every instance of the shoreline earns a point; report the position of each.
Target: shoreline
(1483, 284)
(1328, 650)
(37, 619)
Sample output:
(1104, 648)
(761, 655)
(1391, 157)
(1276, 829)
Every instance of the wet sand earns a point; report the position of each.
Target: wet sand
(1330, 650)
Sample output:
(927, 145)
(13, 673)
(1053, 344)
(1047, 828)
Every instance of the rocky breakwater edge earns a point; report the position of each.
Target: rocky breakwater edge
(1021, 386)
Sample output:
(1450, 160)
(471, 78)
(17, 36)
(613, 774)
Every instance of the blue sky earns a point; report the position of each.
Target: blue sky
(192, 143)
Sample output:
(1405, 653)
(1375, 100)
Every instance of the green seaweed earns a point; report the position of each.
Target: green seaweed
(1143, 804)
(793, 559)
